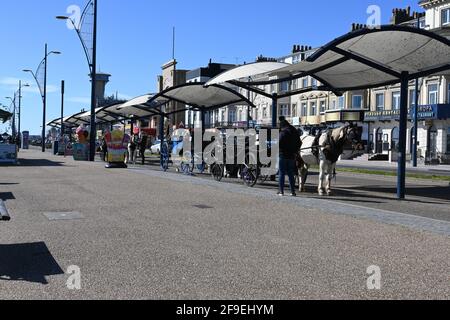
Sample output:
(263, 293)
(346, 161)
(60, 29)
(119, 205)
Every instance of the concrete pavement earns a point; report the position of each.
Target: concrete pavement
(143, 234)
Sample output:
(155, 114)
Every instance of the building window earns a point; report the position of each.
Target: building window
(284, 110)
(448, 140)
(396, 100)
(305, 83)
(240, 116)
(284, 86)
(341, 102)
(294, 110)
(273, 88)
(322, 106)
(313, 108)
(433, 94)
(313, 82)
(357, 101)
(412, 98)
(294, 84)
(445, 16)
(232, 116)
(304, 110)
(448, 94)
(379, 98)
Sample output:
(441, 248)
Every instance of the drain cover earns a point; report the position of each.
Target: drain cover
(53, 216)
(202, 206)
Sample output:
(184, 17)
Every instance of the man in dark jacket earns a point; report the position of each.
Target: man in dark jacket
(290, 145)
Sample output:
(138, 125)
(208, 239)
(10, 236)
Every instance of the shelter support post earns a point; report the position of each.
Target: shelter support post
(161, 136)
(401, 176)
(203, 128)
(415, 125)
(274, 110)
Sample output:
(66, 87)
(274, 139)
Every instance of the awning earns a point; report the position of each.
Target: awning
(377, 57)
(5, 115)
(197, 96)
(141, 107)
(246, 71)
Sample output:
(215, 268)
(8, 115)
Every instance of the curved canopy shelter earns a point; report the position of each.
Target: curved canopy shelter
(246, 71)
(197, 96)
(141, 107)
(370, 58)
(107, 114)
(5, 115)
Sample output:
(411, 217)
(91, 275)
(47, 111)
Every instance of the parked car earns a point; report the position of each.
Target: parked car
(156, 147)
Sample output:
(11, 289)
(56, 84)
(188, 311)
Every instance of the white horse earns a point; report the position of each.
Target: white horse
(325, 150)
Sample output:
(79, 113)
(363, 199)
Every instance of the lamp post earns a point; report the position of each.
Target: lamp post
(20, 110)
(13, 119)
(43, 89)
(91, 56)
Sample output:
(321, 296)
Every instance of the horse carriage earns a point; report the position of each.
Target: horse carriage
(323, 148)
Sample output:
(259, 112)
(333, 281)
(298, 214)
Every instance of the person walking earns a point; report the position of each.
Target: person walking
(104, 148)
(290, 145)
(143, 146)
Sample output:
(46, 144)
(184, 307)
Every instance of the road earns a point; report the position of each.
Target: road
(144, 234)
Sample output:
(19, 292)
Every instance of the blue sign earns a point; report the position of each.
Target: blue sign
(425, 112)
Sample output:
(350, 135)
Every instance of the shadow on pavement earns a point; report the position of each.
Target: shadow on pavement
(30, 262)
(39, 163)
(429, 192)
(5, 196)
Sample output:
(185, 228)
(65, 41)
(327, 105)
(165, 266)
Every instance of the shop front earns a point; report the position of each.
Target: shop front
(433, 134)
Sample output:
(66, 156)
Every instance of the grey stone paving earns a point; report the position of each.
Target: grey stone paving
(144, 236)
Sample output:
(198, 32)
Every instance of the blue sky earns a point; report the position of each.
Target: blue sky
(135, 39)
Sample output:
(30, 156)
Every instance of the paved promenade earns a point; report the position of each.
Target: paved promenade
(143, 234)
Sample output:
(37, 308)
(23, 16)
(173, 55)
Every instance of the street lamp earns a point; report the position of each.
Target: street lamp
(13, 119)
(20, 110)
(91, 56)
(44, 89)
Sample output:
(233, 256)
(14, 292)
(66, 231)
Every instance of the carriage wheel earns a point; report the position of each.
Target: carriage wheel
(187, 168)
(217, 172)
(165, 158)
(249, 175)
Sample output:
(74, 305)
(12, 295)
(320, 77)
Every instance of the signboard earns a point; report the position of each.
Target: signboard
(8, 153)
(80, 152)
(425, 112)
(117, 143)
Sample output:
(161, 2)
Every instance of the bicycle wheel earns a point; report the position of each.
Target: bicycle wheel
(250, 174)
(217, 172)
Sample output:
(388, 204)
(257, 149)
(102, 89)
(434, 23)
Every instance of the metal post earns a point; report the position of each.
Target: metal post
(62, 108)
(161, 136)
(416, 117)
(19, 115)
(44, 99)
(401, 176)
(415, 125)
(274, 110)
(93, 134)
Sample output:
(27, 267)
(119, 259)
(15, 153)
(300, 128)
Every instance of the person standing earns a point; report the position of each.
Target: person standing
(143, 146)
(290, 145)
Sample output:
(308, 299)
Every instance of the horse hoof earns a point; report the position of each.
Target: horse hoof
(329, 193)
(321, 193)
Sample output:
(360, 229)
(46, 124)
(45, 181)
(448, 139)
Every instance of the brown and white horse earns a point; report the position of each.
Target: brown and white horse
(325, 150)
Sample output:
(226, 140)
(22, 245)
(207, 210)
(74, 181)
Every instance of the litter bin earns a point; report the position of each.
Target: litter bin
(55, 147)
